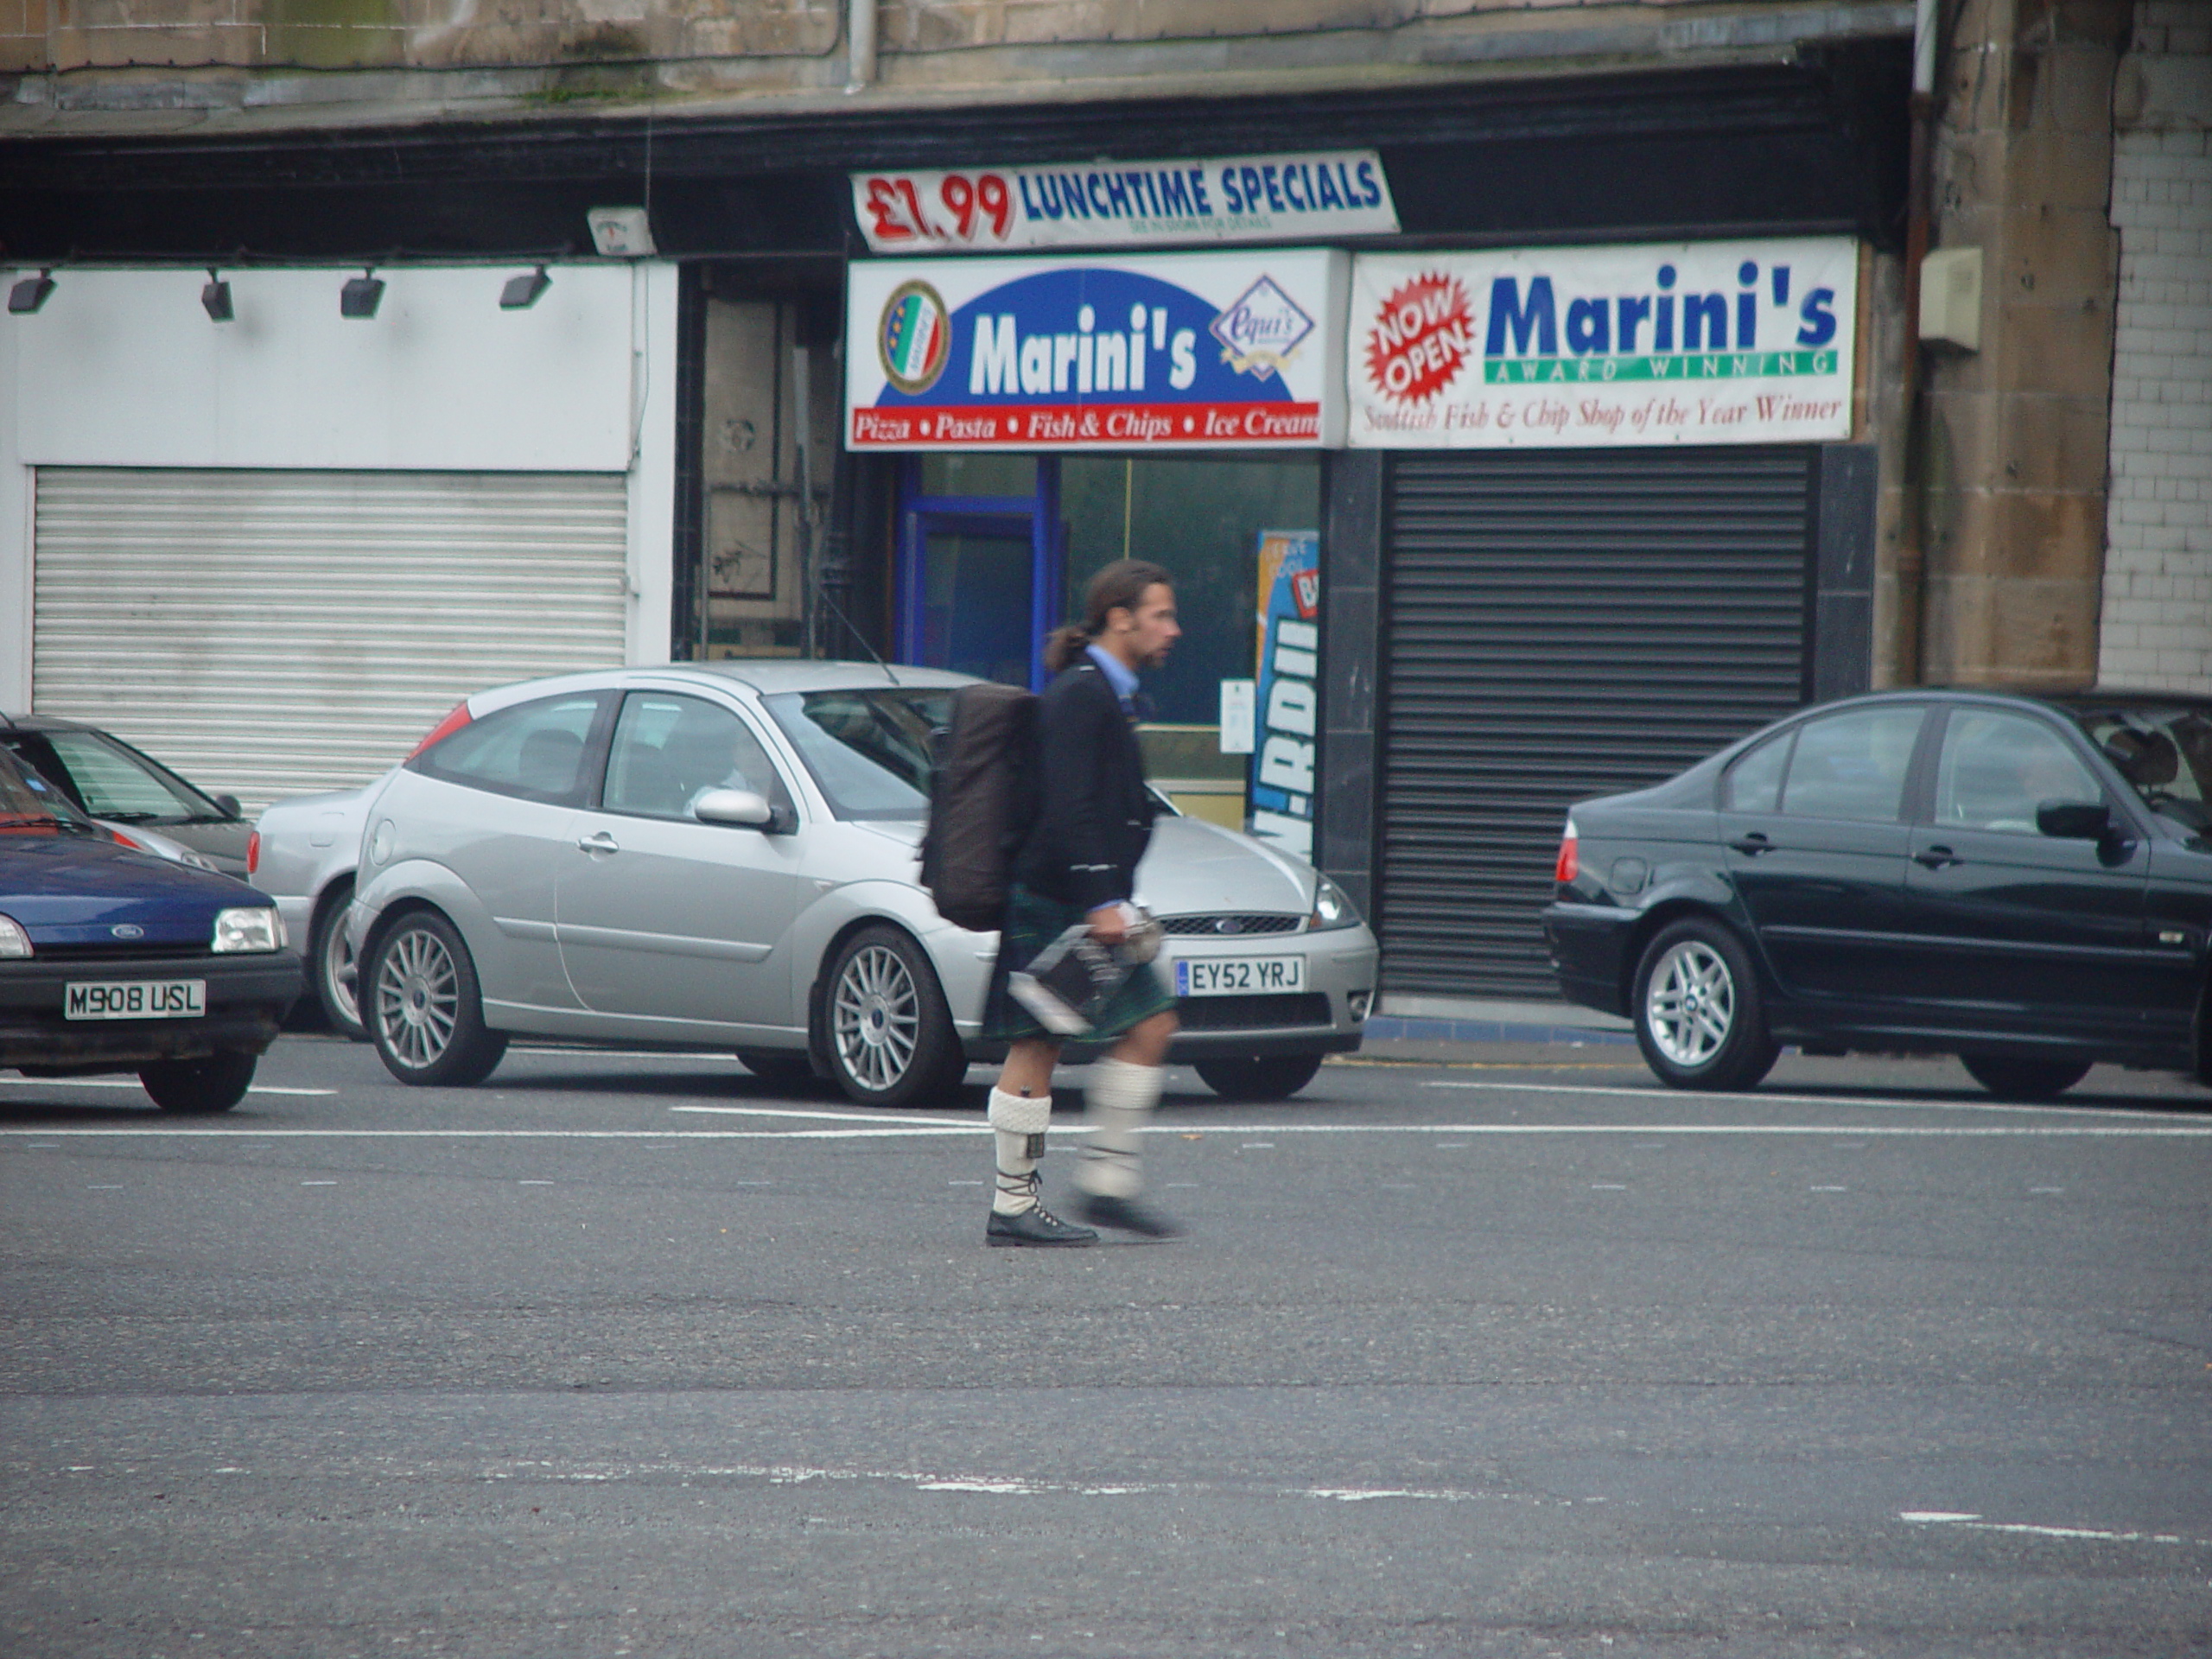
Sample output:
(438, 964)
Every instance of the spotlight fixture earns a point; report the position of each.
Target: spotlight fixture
(29, 294)
(216, 298)
(521, 292)
(360, 296)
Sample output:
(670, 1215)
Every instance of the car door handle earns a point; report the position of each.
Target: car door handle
(1936, 857)
(1754, 844)
(598, 841)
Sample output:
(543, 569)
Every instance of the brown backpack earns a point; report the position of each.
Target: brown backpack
(982, 800)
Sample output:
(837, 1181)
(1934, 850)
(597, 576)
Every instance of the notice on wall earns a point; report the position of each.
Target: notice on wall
(1317, 195)
(1702, 342)
(1166, 352)
(1289, 692)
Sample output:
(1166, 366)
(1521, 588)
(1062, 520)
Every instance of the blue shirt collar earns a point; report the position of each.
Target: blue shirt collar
(1117, 674)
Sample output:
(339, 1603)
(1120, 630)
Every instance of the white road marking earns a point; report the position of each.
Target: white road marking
(1609, 1186)
(133, 1083)
(1828, 1189)
(789, 1111)
(892, 1131)
(533, 1183)
(1969, 1522)
(1761, 1097)
(318, 1183)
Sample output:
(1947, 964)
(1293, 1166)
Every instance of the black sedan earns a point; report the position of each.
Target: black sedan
(106, 778)
(2021, 880)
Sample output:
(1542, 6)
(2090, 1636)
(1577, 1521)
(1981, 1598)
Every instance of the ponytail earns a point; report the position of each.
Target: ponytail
(1120, 587)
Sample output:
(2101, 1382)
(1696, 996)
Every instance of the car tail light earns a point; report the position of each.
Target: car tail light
(1570, 861)
(444, 729)
(253, 852)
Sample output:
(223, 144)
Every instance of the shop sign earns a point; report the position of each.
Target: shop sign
(1705, 342)
(1308, 196)
(1289, 695)
(1169, 351)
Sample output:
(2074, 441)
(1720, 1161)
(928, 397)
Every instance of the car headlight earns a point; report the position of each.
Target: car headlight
(258, 927)
(13, 941)
(1331, 908)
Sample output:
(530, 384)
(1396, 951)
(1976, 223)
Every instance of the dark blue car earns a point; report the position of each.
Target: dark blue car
(112, 960)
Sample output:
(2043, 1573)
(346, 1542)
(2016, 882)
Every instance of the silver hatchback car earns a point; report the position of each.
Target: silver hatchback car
(725, 855)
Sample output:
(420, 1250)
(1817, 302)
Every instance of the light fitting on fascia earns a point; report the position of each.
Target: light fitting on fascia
(361, 295)
(27, 296)
(215, 299)
(521, 292)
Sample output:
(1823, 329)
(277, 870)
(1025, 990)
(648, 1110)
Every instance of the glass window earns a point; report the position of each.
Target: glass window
(1755, 782)
(532, 749)
(111, 780)
(2165, 754)
(979, 475)
(871, 752)
(668, 750)
(1997, 769)
(29, 805)
(1852, 765)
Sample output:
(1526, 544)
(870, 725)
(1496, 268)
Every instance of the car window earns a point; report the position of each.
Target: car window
(532, 749)
(669, 749)
(31, 805)
(870, 752)
(2165, 753)
(1997, 768)
(1754, 783)
(1851, 764)
(109, 779)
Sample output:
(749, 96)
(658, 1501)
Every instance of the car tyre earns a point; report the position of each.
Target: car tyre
(1697, 1017)
(780, 1068)
(337, 975)
(2014, 1079)
(214, 1083)
(1275, 1076)
(426, 1013)
(890, 1035)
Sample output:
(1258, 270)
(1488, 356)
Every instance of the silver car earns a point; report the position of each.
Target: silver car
(725, 855)
(303, 854)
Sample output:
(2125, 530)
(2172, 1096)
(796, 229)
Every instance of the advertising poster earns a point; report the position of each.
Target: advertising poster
(1316, 194)
(1164, 352)
(1289, 695)
(1700, 342)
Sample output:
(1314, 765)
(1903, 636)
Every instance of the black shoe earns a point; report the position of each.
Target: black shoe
(1127, 1215)
(1035, 1225)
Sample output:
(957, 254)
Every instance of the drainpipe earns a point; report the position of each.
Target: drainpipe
(1913, 557)
(860, 44)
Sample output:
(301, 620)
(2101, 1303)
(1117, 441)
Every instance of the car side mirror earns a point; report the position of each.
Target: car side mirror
(228, 805)
(737, 806)
(2075, 820)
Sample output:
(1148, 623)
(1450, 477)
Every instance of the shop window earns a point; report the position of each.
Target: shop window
(979, 475)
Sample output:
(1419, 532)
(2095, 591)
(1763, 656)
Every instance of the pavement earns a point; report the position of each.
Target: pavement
(1492, 1348)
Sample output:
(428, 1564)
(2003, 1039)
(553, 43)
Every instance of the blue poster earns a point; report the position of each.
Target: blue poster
(1288, 740)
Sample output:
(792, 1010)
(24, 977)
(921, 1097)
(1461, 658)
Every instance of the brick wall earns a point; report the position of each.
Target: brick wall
(2157, 585)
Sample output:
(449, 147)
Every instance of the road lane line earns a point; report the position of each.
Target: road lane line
(1761, 1098)
(133, 1083)
(1970, 1522)
(1885, 1131)
(794, 1111)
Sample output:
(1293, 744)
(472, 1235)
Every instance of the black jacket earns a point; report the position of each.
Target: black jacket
(1094, 816)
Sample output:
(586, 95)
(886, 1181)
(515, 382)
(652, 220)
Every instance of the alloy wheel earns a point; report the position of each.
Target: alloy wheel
(418, 997)
(1690, 1006)
(875, 1017)
(340, 972)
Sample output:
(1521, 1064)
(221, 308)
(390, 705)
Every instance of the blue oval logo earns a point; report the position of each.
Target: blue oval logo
(128, 930)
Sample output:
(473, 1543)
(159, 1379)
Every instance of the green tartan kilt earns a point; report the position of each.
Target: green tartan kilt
(1032, 922)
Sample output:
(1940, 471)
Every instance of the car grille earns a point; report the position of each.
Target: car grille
(1253, 1012)
(132, 951)
(1230, 924)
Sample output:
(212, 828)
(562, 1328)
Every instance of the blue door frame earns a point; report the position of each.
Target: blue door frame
(919, 515)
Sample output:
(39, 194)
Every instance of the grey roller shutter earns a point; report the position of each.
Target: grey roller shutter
(1563, 623)
(275, 632)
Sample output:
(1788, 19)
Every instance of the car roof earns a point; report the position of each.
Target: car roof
(43, 723)
(793, 674)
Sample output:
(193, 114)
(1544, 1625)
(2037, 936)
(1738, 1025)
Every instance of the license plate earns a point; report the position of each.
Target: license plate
(136, 999)
(1238, 975)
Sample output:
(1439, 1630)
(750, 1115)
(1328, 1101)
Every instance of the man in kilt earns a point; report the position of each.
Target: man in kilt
(1078, 866)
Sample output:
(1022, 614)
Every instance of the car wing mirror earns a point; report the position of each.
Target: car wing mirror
(2075, 820)
(227, 805)
(738, 806)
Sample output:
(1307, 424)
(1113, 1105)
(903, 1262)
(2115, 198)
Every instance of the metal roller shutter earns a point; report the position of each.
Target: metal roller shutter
(276, 633)
(1564, 624)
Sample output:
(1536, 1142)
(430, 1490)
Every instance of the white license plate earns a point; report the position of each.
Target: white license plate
(136, 999)
(1238, 975)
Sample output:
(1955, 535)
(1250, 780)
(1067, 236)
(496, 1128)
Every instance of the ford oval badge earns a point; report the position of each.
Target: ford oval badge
(128, 930)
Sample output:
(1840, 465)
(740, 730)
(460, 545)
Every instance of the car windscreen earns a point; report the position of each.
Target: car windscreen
(114, 781)
(869, 752)
(30, 805)
(2164, 750)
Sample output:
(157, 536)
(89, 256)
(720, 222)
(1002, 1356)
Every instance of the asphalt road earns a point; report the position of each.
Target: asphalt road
(626, 1354)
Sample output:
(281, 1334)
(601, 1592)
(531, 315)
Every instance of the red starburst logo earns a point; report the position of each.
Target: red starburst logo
(1420, 339)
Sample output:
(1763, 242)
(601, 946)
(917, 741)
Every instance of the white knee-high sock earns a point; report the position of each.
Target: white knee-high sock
(1018, 1122)
(1118, 1102)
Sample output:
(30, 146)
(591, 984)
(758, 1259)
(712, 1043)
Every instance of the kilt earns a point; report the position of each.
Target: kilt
(1032, 921)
